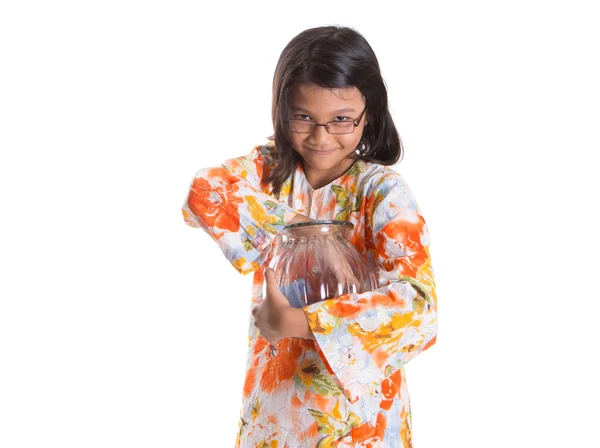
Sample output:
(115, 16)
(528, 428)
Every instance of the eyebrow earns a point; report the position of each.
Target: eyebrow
(344, 109)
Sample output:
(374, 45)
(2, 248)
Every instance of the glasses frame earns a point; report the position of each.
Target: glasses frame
(326, 125)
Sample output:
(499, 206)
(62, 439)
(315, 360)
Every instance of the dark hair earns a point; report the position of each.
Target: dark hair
(331, 57)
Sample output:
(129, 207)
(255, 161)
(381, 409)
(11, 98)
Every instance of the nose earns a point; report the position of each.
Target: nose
(320, 136)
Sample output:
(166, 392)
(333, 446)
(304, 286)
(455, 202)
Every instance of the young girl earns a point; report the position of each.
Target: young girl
(337, 376)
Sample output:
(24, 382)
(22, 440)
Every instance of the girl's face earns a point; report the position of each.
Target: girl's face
(325, 155)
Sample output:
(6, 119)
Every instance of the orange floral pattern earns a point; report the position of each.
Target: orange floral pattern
(346, 387)
(216, 207)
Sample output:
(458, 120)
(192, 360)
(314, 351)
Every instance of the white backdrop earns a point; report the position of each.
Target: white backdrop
(122, 327)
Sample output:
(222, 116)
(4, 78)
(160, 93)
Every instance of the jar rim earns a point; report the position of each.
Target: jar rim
(319, 222)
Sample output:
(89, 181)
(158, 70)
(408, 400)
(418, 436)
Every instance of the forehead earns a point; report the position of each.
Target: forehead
(316, 98)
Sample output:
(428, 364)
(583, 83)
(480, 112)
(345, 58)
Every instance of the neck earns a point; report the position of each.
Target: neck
(319, 178)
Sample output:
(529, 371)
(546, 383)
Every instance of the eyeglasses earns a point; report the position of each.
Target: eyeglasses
(333, 127)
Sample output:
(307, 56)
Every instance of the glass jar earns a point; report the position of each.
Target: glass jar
(315, 261)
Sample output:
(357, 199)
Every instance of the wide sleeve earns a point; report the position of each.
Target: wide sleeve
(233, 205)
(367, 337)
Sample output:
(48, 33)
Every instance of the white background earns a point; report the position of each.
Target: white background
(122, 327)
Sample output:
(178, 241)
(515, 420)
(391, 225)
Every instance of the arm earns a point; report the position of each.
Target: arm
(366, 337)
(234, 206)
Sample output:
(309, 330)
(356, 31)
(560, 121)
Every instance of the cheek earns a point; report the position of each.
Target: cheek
(353, 140)
(296, 141)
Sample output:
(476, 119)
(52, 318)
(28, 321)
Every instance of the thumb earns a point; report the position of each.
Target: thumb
(271, 280)
(273, 291)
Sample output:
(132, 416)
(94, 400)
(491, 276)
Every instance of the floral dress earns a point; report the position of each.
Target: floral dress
(347, 387)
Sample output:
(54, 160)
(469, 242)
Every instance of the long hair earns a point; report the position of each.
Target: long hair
(331, 57)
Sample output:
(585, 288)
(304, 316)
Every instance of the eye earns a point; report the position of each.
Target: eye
(302, 117)
(342, 118)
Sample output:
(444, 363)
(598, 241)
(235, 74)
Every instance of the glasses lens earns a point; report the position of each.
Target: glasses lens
(340, 127)
(301, 126)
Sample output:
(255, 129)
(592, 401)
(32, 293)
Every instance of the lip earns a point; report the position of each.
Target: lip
(322, 152)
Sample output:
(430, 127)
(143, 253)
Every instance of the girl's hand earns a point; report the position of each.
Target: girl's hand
(300, 218)
(338, 264)
(272, 315)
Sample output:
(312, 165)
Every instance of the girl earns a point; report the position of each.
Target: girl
(337, 376)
